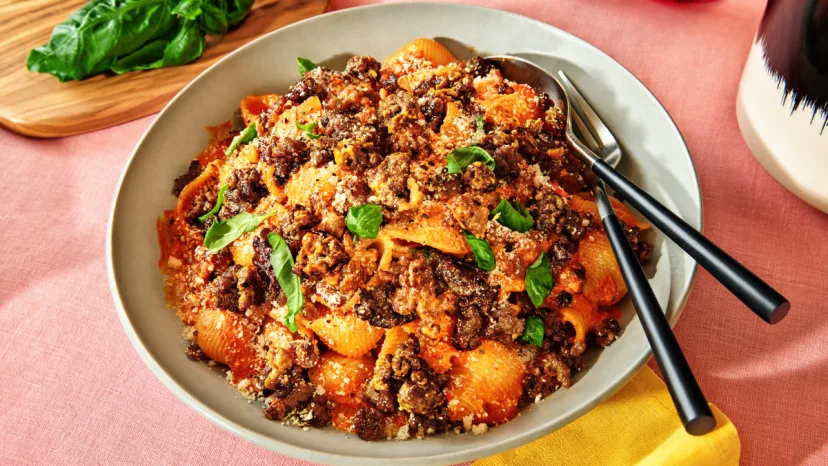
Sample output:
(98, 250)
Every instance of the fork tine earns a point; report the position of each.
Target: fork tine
(585, 134)
(593, 122)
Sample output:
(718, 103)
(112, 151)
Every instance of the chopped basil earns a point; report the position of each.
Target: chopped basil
(282, 262)
(364, 220)
(223, 233)
(459, 159)
(479, 132)
(539, 281)
(305, 65)
(248, 134)
(483, 254)
(533, 331)
(308, 129)
(514, 217)
(215, 208)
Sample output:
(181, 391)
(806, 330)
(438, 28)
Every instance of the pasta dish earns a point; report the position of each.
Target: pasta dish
(399, 249)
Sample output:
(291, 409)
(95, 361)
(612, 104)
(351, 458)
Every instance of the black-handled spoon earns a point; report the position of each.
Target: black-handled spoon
(688, 398)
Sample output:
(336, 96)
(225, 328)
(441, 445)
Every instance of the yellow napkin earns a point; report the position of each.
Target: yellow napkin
(638, 425)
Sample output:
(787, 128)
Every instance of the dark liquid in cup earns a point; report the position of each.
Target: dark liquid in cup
(795, 38)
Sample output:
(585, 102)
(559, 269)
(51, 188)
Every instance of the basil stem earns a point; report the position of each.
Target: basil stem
(216, 207)
(539, 281)
(282, 262)
(225, 232)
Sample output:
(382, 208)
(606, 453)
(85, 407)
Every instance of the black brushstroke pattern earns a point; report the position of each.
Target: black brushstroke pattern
(794, 34)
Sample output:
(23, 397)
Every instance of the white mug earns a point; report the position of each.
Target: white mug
(782, 105)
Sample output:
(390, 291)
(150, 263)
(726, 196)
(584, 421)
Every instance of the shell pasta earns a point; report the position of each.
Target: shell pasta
(397, 250)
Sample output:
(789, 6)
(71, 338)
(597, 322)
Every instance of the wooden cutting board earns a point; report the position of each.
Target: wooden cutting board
(37, 104)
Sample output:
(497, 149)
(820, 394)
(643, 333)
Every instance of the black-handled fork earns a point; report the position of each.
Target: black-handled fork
(760, 297)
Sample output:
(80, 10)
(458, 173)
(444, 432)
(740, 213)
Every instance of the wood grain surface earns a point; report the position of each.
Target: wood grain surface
(37, 104)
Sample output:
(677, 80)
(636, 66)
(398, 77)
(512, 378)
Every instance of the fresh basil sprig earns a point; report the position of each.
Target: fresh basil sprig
(511, 216)
(364, 220)
(533, 331)
(539, 281)
(133, 35)
(483, 254)
(248, 134)
(460, 159)
(225, 232)
(308, 129)
(305, 65)
(282, 262)
(216, 207)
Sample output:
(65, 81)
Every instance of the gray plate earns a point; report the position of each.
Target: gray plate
(657, 159)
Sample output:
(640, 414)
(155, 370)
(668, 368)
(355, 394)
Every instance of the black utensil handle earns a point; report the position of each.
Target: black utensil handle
(688, 398)
(763, 300)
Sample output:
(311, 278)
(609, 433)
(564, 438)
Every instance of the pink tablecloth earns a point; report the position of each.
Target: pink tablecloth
(74, 391)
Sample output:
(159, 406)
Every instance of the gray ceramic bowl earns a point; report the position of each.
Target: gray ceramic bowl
(657, 159)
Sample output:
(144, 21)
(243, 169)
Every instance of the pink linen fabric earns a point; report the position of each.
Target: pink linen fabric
(74, 391)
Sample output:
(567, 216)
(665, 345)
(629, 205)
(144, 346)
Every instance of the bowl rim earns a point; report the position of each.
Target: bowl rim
(295, 451)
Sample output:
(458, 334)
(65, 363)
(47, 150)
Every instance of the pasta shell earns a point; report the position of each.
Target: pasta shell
(427, 49)
(604, 283)
(486, 383)
(430, 231)
(224, 338)
(394, 337)
(207, 180)
(585, 203)
(253, 105)
(342, 417)
(512, 109)
(346, 334)
(342, 377)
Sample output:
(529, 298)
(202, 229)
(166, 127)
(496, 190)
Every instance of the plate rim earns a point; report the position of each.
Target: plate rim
(282, 447)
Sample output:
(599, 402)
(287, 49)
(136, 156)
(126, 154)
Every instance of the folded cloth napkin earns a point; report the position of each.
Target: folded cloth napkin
(638, 425)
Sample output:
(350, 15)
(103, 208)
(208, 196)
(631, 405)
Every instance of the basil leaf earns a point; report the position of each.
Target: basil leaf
(483, 254)
(539, 281)
(190, 9)
(308, 129)
(185, 46)
(215, 208)
(223, 233)
(515, 218)
(148, 57)
(91, 39)
(305, 65)
(213, 20)
(460, 159)
(282, 263)
(237, 10)
(364, 220)
(247, 135)
(533, 331)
